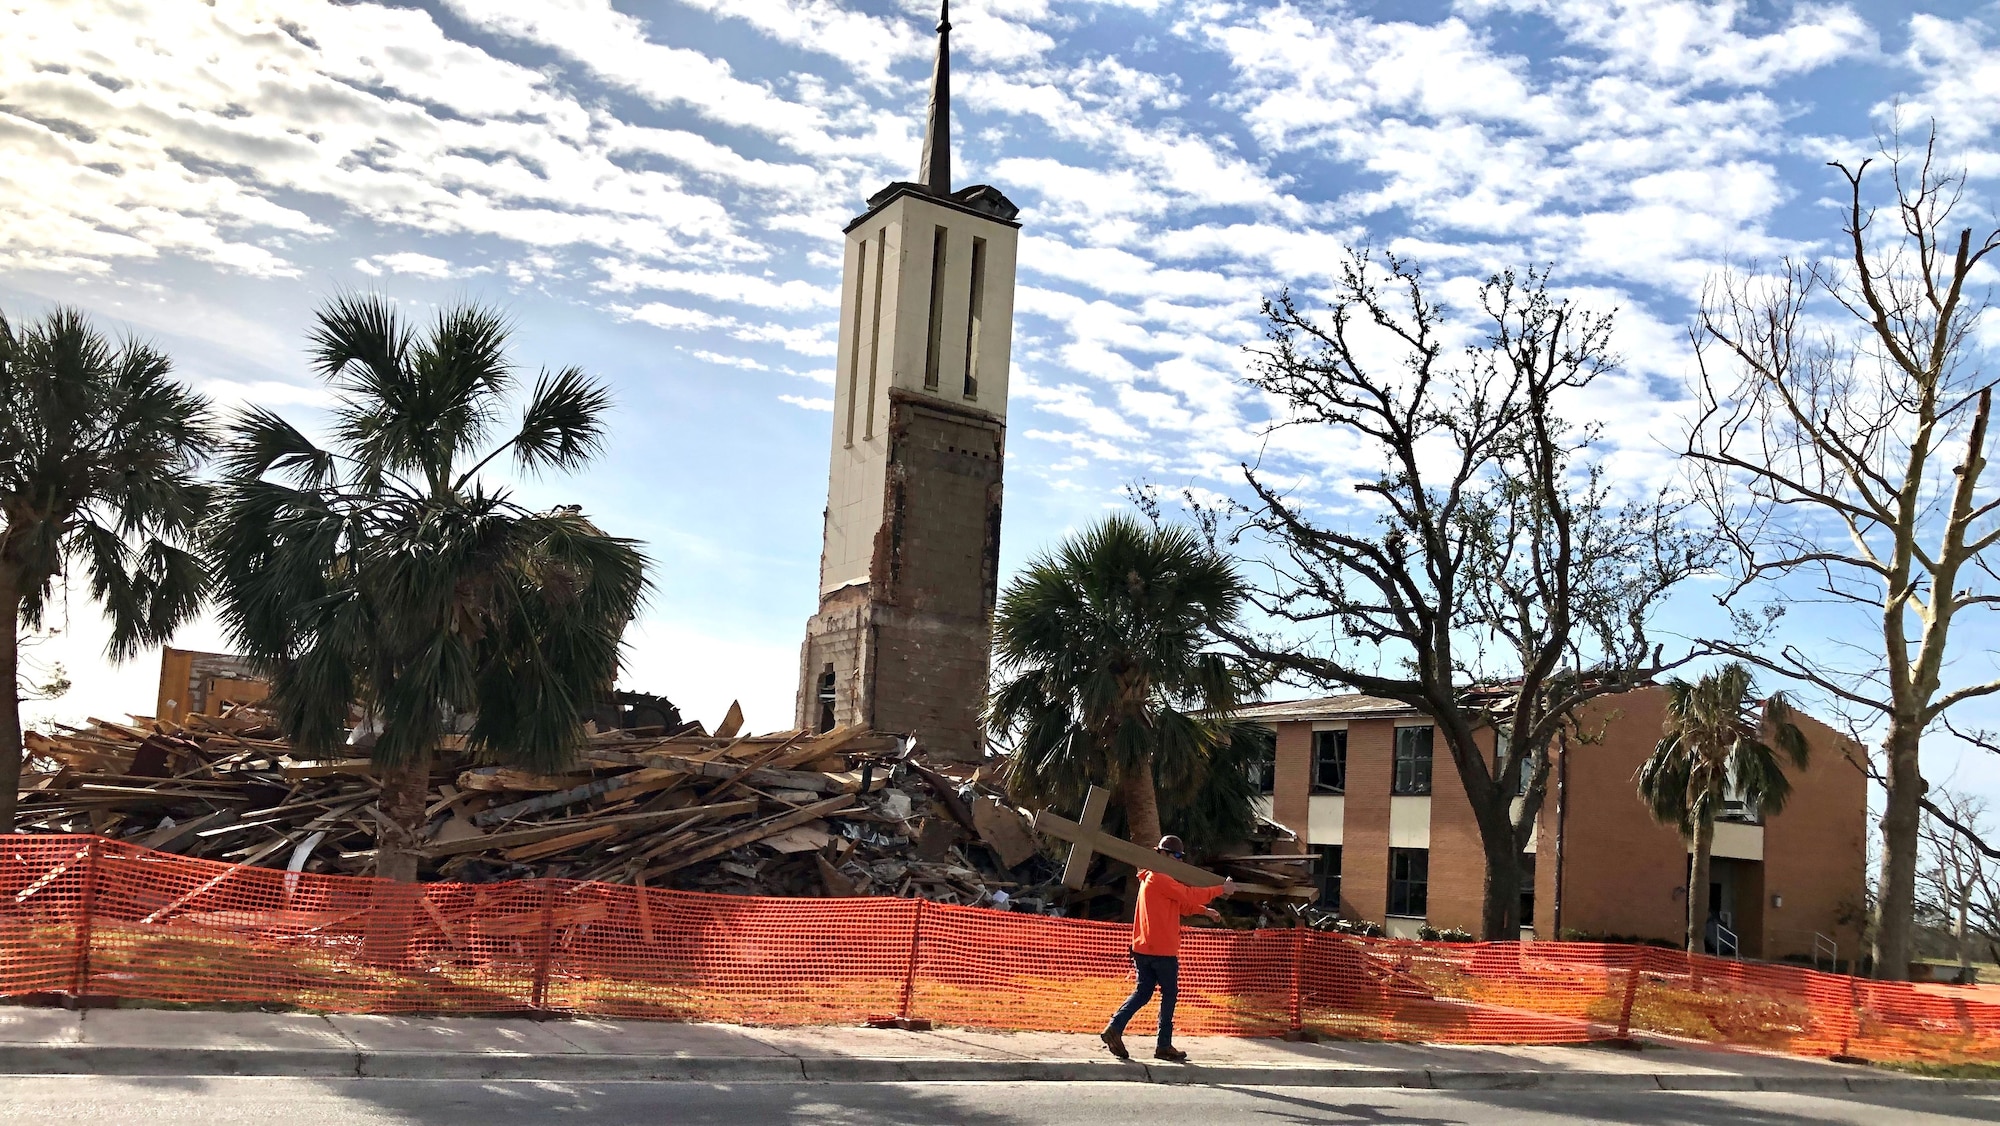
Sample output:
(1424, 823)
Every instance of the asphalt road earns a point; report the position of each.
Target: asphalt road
(105, 1101)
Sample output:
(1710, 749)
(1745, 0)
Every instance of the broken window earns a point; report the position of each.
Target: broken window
(1329, 762)
(826, 699)
(1413, 761)
(1264, 767)
(1326, 874)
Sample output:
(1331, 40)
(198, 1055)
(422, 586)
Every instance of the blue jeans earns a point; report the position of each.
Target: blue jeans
(1154, 969)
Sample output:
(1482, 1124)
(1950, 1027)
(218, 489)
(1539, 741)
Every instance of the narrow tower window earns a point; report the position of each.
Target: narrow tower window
(936, 343)
(875, 325)
(827, 699)
(974, 314)
(854, 346)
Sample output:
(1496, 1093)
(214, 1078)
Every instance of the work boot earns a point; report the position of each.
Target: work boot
(1169, 1053)
(1116, 1043)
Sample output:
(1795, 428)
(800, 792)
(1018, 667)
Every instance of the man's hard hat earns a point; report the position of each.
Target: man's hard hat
(1170, 843)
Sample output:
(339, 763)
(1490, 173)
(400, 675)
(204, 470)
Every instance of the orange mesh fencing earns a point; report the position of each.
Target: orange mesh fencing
(85, 916)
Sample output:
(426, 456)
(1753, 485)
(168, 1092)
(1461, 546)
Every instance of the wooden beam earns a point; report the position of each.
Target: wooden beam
(544, 832)
(1077, 867)
(758, 832)
(1139, 856)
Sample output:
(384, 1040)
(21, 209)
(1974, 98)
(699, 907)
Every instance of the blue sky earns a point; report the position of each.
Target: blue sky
(655, 190)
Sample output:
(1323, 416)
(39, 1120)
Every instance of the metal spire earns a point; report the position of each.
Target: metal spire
(934, 172)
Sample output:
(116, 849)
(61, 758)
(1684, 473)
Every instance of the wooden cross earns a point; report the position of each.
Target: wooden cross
(1088, 838)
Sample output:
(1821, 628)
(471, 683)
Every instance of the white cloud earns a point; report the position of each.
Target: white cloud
(808, 404)
(741, 289)
(744, 362)
(1699, 41)
(404, 262)
(622, 50)
(659, 314)
(433, 135)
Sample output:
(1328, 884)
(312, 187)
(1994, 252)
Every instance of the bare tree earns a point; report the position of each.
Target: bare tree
(1953, 873)
(1497, 582)
(1841, 445)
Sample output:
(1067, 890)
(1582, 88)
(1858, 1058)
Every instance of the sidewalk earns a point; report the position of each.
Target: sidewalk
(35, 1041)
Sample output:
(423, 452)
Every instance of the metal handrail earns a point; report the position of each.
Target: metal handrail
(1725, 940)
(1825, 942)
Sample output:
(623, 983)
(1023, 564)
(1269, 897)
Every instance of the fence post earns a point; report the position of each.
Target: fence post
(538, 1000)
(910, 974)
(80, 971)
(1298, 1029)
(1635, 962)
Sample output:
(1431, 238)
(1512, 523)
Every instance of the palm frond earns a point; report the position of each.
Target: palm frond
(563, 425)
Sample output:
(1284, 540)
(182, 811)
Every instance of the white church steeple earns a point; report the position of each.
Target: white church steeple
(910, 566)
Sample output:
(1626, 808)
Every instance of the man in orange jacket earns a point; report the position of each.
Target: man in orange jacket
(1156, 950)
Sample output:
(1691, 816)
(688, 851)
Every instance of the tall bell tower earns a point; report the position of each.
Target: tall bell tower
(908, 575)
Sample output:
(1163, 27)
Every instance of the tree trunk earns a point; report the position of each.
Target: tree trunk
(1500, 908)
(1141, 800)
(1958, 933)
(1897, 885)
(1697, 897)
(10, 715)
(406, 791)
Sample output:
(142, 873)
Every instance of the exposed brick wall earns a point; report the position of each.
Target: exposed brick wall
(1364, 857)
(1815, 852)
(1292, 786)
(1621, 869)
(912, 647)
(1545, 858)
(1458, 863)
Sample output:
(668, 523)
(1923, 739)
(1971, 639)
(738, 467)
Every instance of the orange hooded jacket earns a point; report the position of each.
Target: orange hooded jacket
(1156, 925)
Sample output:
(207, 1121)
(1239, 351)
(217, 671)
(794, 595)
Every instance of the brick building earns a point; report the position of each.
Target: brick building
(1371, 789)
(910, 568)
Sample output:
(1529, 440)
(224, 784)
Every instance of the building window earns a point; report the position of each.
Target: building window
(1409, 882)
(1413, 761)
(1264, 766)
(875, 328)
(1329, 762)
(975, 318)
(1527, 889)
(854, 345)
(826, 700)
(1326, 875)
(935, 345)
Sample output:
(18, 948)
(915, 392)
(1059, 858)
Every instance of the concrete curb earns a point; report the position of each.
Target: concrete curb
(330, 1063)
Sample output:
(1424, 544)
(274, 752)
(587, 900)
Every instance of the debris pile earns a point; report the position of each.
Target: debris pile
(847, 812)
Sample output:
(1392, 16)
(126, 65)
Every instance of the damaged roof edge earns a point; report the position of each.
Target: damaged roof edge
(1346, 706)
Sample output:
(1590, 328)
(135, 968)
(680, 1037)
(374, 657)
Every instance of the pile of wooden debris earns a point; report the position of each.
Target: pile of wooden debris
(847, 812)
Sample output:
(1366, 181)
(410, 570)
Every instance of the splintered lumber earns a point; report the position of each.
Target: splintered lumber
(761, 830)
(557, 800)
(732, 721)
(559, 844)
(493, 779)
(545, 832)
(293, 769)
(787, 813)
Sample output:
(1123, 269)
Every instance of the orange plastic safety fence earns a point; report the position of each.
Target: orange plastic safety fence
(88, 916)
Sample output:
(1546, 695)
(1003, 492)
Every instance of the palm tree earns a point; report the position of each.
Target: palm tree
(99, 447)
(382, 573)
(1713, 743)
(1111, 675)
